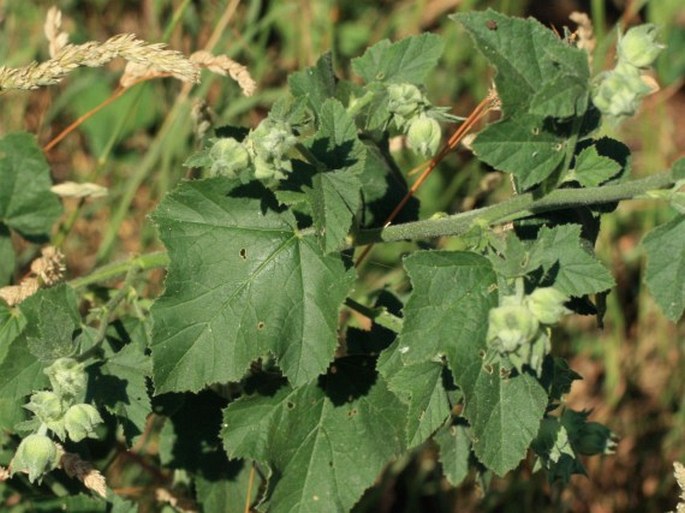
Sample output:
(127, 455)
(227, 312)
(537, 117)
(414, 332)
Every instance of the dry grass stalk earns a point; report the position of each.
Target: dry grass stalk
(145, 61)
(56, 38)
(47, 270)
(679, 473)
(4, 474)
(584, 34)
(74, 466)
(167, 496)
(79, 190)
(223, 65)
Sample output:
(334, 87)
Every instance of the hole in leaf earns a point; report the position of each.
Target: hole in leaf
(260, 325)
(491, 24)
(290, 405)
(535, 131)
(243, 253)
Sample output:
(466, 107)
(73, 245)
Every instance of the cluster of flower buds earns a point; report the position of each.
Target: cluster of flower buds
(411, 113)
(619, 92)
(60, 411)
(518, 329)
(264, 151)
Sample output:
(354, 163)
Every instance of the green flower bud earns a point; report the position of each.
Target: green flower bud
(271, 140)
(405, 101)
(67, 377)
(80, 421)
(620, 92)
(228, 158)
(36, 455)
(510, 326)
(547, 305)
(424, 135)
(638, 47)
(46, 405)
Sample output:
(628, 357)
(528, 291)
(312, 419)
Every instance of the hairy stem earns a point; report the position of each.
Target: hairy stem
(518, 207)
(107, 272)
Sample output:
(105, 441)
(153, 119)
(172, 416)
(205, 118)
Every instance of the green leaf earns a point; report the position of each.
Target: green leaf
(334, 199)
(11, 325)
(408, 60)
(449, 289)
(26, 203)
(335, 195)
(536, 70)
(52, 316)
(563, 97)
(576, 271)
(21, 373)
(455, 447)
(7, 260)
(242, 283)
(446, 314)
(190, 440)
(326, 441)
(317, 83)
(593, 169)
(120, 383)
(336, 144)
(227, 492)
(525, 146)
(665, 273)
(422, 384)
(678, 169)
(504, 414)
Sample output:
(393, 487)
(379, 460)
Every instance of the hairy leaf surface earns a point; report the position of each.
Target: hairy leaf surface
(408, 60)
(326, 441)
(26, 203)
(428, 407)
(575, 269)
(242, 283)
(665, 274)
(535, 68)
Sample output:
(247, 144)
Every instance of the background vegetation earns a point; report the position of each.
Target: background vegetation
(633, 367)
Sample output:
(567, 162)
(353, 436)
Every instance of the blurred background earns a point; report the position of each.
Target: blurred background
(632, 368)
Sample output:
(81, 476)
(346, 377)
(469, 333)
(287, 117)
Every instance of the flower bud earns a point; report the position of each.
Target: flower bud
(67, 377)
(424, 135)
(36, 455)
(228, 158)
(547, 305)
(405, 101)
(620, 92)
(46, 405)
(271, 140)
(80, 421)
(510, 326)
(638, 47)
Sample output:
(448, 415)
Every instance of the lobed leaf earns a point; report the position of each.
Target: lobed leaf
(455, 447)
(326, 441)
(537, 72)
(243, 282)
(408, 60)
(26, 203)
(428, 407)
(575, 270)
(526, 146)
(665, 272)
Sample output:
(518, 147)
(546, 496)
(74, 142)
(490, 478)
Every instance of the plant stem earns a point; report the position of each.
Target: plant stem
(379, 315)
(109, 271)
(518, 207)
